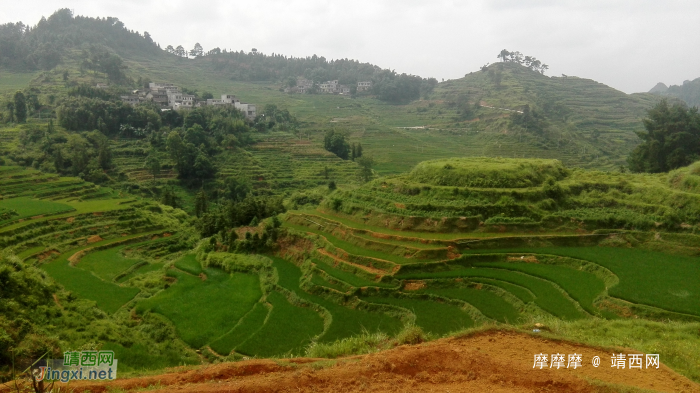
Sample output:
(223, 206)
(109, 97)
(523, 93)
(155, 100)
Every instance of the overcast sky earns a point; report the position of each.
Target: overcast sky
(628, 44)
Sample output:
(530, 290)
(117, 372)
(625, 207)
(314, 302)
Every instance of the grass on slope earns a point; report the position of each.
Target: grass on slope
(189, 264)
(490, 304)
(546, 295)
(320, 281)
(143, 269)
(287, 330)
(346, 322)
(202, 310)
(433, 317)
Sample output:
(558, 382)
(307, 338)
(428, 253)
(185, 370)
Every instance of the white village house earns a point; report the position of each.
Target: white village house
(168, 96)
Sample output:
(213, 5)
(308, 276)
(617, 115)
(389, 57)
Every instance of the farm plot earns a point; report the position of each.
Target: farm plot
(108, 296)
(28, 207)
(352, 248)
(490, 304)
(646, 277)
(107, 264)
(345, 322)
(287, 330)
(582, 286)
(250, 324)
(203, 309)
(547, 296)
(434, 317)
(348, 277)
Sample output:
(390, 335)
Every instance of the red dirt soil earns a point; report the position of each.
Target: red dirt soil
(487, 362)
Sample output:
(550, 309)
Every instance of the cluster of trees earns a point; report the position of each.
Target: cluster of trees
(191, 160)
(528, 61)
(100, 59)
(231, 213)
(531, 120)
(87, 155)
(180, 51)
(336, 142)
(399, 89)
(83, 114)
(671, 139)
(42, 46)
(21, 105)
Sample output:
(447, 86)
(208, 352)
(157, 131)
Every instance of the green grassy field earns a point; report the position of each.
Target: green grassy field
(203, 310)
(13, 81)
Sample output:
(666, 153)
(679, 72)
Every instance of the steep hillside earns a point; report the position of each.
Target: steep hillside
(579, 121)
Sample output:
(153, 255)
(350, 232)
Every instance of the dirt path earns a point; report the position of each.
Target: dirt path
(487, 362)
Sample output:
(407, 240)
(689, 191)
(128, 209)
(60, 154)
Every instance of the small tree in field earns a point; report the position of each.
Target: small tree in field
(153, 164)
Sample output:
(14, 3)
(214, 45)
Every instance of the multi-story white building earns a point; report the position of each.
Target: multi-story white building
(364, 85)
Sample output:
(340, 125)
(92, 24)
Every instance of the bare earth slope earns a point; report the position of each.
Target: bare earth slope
(487, 362)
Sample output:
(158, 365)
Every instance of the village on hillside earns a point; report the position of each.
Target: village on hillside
(168, 96)
(329, 87)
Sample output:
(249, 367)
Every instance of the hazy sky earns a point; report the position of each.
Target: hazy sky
(628, 44)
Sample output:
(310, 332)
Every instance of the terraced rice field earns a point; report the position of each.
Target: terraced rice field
(77, 231)
(504, 283)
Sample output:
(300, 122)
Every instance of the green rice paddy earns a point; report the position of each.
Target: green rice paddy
(434, 317)
(203, 310)
(288, 330)
(490, 304)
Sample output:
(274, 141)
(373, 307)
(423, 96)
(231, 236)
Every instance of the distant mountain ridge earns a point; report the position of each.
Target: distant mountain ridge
(689, 91)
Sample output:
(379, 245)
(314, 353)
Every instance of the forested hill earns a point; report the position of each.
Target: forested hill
(44, 45)
(106, 44)
(689, 91)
